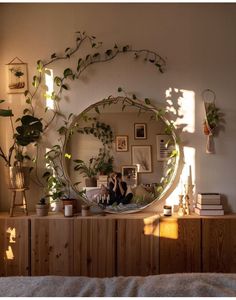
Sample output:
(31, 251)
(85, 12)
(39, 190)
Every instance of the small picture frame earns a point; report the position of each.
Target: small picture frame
(142, 158)
(130, 175)
(122, 143)
(17, 75)
(164, 147)
(140, 131)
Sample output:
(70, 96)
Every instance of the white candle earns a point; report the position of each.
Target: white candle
(68, 210)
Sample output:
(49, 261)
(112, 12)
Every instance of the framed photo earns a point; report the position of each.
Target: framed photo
(142, 158)
(130, 175)
(140, 131)
(164, 148)
(17, 77)
(122, 143)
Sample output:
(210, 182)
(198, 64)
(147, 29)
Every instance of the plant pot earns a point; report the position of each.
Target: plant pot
(72, 202)
(206, 129)
(90, 182)
(42, 210)
(19, 177)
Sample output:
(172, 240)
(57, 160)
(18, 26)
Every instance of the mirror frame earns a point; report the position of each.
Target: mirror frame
(142, 105)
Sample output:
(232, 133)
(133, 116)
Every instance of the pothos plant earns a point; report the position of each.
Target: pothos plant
(32, 126)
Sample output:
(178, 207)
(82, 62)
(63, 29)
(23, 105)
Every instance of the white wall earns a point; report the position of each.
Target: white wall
(198, 40)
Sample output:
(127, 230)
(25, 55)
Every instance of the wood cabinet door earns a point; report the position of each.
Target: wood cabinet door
(14, 247)
(94, 247)
(180, 245)
(219, 245)
(137, 247)
(52, 246)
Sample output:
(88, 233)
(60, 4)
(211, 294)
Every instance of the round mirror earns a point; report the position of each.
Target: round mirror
(123, 154)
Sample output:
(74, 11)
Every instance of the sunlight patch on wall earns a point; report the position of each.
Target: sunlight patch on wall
(9, 253)
(150, 226)
(182, 104)
(49, 84)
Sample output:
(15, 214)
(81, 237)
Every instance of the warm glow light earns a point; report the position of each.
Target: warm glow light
(189, 166)
(12, 232)
(49, 84)
(9, 253)
(150, 226)
(169, 230)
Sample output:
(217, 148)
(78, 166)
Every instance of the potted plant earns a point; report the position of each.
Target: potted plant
(89, 170)
(42, 208)
(28, 131)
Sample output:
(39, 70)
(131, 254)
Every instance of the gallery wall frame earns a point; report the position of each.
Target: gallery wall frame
(130, 174)
(141, 156)
(17, 76)
(122, 143)
(140, 131)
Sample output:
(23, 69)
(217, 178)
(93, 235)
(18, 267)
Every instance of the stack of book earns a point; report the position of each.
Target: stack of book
(209, 204)
(102, 179)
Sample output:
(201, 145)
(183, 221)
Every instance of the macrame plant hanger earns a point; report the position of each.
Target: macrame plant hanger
(209, 98)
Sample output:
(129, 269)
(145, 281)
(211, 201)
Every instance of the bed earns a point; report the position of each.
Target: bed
(171, 285)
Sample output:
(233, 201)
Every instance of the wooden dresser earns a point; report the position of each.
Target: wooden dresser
(112, 245)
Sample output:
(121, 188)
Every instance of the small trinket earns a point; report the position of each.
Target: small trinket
(167, 210)
(68, 212)
(85, 210)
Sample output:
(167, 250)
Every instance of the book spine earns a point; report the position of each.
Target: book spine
(209, 212)
(209, 201)
(209, 206)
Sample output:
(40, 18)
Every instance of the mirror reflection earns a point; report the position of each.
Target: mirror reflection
(122, 155)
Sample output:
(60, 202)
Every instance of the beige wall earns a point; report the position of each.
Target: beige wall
(197, 39)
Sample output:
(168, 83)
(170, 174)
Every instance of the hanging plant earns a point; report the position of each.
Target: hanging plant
(213, 118)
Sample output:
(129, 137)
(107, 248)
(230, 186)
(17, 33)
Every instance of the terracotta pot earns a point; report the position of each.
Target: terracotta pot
(90, 182)
(19, 177)
(42, 210)
(206, 129)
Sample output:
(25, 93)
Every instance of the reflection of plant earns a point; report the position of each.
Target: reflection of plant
(89, 170)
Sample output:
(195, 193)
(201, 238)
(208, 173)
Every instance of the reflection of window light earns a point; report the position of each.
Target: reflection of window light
(187, 111)
(189, 157)
(49, 84)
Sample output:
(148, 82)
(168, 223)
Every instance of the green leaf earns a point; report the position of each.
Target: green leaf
(96, 55)
(67, 72)
(28, 101)
(48, 72)
(65, 87)
(119, 89)
(1, 101)
(115, 46)
(147, 101)
(67, 49)
(26, 92)
(39, 66)
(134, 96)
(26, 110)
(53, 55)
(6, 113)
(87, 57)
(97, 110)
(108, 52)
(58, 81)
(94, 45)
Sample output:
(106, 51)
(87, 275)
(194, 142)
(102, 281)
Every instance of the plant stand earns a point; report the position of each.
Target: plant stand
(23, 203)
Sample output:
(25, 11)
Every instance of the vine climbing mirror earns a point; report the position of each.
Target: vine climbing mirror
(124, 140)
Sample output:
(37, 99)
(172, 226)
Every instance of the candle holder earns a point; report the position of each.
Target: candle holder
(181, 210)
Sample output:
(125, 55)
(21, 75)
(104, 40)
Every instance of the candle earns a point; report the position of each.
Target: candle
(68, 210)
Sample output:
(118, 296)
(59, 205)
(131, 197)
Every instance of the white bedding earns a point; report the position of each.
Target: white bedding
(193, 284)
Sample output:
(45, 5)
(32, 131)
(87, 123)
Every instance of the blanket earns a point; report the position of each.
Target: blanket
(181, 285)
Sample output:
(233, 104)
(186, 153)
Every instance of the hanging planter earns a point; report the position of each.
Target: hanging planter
(212, 119)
